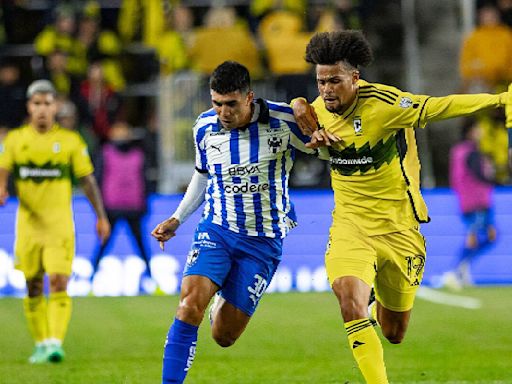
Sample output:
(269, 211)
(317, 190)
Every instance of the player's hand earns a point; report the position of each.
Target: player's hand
(165, 230)
(322, 138)
(103, 229)
(508, 108)
(305, 116)
(4, 195)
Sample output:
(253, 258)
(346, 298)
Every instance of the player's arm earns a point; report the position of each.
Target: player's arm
(91, 190)
(4, 178)
(305, 115)
(440, 108)
(193, 198)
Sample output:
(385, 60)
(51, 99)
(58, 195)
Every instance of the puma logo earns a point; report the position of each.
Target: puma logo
(216, 147)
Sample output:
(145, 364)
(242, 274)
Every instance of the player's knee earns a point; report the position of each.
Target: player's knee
(35, 287)
(190, 312)
(58, 282)
(225, 340)
(394, 336)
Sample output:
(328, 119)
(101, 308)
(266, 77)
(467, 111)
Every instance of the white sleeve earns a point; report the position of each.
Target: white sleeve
(193, 198)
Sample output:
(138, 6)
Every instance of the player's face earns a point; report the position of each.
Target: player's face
(234, 109)
(42, 109)
(337, 85)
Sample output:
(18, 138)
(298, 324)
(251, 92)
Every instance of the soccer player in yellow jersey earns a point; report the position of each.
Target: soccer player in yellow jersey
(41, 157)
(374, 238)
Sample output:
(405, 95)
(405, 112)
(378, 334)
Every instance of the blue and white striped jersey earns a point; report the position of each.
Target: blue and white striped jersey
(248, 169)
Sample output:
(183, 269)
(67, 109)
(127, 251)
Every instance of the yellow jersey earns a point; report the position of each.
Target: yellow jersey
(42, 164)
(375, 168)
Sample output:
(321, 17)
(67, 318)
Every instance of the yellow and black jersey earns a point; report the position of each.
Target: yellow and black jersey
(42, 165)
(375, 167)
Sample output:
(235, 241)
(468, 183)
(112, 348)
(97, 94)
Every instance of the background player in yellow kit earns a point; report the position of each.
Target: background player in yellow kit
(375, 170)
(42, 156)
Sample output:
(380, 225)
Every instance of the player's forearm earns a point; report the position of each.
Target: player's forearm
(440, 108)
(93, 194)
(193, 198)
(4, 177)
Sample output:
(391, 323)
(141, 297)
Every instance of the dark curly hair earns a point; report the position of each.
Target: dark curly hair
(230, 76)
(328, 48)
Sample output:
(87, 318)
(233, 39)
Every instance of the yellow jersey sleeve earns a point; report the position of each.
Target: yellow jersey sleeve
(440, 108)
(80, 159)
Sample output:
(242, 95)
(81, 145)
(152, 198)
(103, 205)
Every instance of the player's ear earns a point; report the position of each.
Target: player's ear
(355, 76)
(250, 97)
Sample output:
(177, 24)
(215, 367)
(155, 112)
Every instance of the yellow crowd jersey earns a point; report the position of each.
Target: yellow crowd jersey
(375, 169)
(42, 164)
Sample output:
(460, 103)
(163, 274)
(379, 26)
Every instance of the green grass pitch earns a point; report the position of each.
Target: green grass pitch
(295, 338)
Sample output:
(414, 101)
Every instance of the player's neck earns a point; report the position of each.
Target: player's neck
(42, 128)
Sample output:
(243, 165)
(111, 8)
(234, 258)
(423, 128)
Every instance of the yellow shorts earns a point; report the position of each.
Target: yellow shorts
(393, 263)
(36, 257)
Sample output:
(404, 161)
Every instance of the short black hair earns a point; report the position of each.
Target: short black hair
(350, 46)
(230, 76)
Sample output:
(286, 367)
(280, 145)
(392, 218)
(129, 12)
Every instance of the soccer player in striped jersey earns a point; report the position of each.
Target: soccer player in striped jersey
(42, 156)
(244, 153)
(375, 172)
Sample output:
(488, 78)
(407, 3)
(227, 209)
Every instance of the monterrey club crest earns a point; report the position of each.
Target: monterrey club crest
(274, 144)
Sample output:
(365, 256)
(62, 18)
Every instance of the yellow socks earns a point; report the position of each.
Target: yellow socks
(367, 350)
(59, 314)
(35, 313)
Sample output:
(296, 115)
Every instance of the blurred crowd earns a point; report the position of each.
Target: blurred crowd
(94, 51)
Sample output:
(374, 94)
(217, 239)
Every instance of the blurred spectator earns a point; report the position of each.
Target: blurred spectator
(122, 178)
(97, 45)
(56, 70)
(260, 8)
(472, 179)
(222, 37)
(505, 7)
(337, 15)
(100, 103)
(67, 114)
(486, 53)
(60, 37)
(171, 47)
(143, 21)
(12, 96)
(485, 67)
(284, 41)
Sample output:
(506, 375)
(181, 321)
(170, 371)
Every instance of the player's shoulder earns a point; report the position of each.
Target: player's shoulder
(205, 119)
(279, 110)
(67, 134)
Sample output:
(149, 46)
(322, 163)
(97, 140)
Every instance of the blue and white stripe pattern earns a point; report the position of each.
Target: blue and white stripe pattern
(248, 170)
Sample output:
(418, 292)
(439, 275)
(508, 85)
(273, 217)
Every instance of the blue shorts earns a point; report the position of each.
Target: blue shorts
(477, 222)
(242, 266)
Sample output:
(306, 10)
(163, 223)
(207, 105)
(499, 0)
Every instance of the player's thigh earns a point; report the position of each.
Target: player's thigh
(400, 266)
(209, 254)
(196, 291)
(349, 253)
(57, 256)
(255, 260)
(28, 256)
